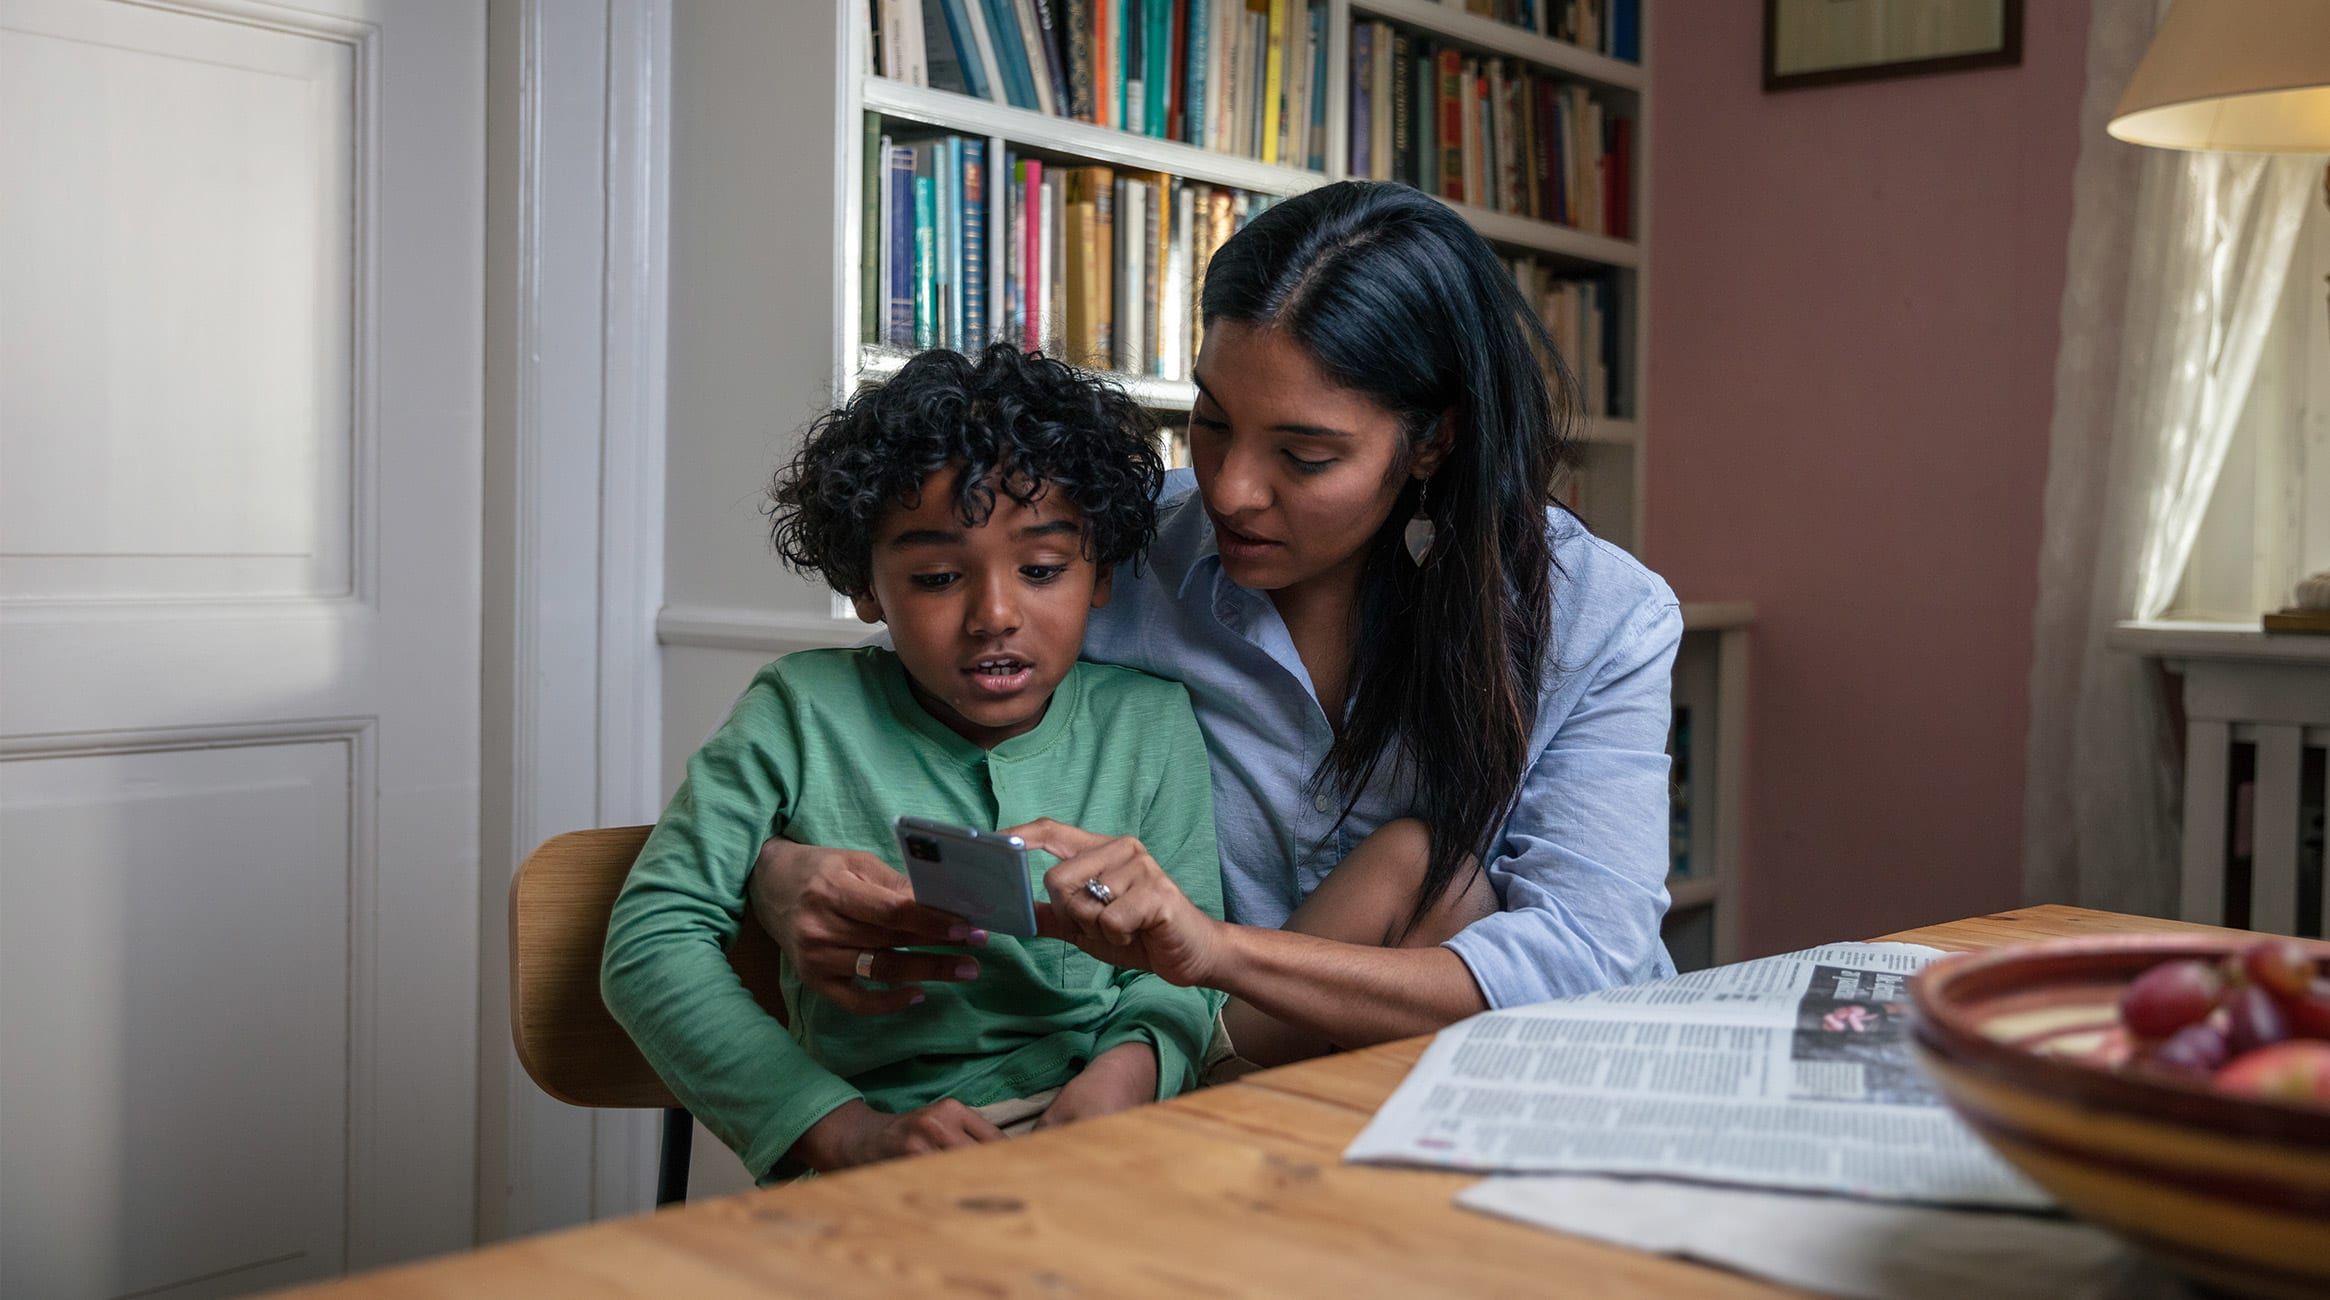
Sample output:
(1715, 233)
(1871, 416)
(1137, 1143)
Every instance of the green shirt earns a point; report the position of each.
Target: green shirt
(826, 747)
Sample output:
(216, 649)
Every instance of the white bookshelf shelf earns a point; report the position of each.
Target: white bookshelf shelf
(1028, 129)
(1488, 36)
(1548, 237)
(1150, 391)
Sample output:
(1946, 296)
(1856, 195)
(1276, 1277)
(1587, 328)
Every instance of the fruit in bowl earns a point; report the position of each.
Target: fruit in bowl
(2227, 1022)
(2170, 1087)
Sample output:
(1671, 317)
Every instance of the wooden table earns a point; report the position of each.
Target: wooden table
(1237, 1190)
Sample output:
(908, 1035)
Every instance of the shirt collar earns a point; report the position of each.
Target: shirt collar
(1049, 728)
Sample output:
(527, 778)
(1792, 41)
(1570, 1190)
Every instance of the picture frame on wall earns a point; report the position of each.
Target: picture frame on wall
(1829, 42)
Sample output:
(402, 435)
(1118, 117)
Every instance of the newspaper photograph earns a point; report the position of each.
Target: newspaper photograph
(1787, 1072)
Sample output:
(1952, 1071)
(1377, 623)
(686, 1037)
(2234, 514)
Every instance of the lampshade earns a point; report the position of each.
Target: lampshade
(2248, 76)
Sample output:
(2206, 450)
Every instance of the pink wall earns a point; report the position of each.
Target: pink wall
(1852, 355)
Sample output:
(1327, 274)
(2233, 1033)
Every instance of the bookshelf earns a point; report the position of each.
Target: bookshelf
(1604, 483)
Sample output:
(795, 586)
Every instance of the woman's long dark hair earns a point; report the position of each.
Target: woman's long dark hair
(1394, 296)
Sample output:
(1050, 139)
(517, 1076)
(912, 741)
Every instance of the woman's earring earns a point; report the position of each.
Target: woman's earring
(1420, 529)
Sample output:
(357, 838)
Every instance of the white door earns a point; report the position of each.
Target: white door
(240, 342)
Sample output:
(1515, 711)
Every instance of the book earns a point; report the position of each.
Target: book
(1449, 95)
(1273, 79)
(1032, 45)
(1197, 94)
(1380, 122)
(899, 247)
(1403, 108)
(972, 228)
(1127, 287)
(1052, 28)
(1177, 76)
(1362, 99)
(1132, 96)
(1157, 74)
(946, 178)
(873, 186)
(1105, 20)
(983, 50)
(1011, 53)
(925, 250)
(1315, 93)
(962, 71)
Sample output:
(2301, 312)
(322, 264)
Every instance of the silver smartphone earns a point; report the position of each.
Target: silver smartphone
(978, 875)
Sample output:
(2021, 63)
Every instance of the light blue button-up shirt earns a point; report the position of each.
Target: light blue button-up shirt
(1580, 867)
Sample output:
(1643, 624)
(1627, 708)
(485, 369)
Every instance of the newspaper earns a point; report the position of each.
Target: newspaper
(1788, 1072)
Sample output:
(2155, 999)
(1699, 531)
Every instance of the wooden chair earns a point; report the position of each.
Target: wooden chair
(566, 1038)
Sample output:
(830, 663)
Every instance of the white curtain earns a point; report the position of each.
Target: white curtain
(2177, 264)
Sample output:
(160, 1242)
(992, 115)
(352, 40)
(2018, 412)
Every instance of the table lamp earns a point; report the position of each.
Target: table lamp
(2241, 76)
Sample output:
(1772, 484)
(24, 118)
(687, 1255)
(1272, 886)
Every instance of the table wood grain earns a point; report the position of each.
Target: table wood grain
(1234, 1191)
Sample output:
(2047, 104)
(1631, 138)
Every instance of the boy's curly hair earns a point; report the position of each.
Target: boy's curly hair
(1017, 422)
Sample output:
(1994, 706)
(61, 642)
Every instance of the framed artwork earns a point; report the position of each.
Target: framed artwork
(1824, 42)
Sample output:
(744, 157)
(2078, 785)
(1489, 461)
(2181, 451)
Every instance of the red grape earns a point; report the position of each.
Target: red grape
(2194, 1050)
(2280, 967)
(2170, 996)
(2309, 1012)
(2254, 1020)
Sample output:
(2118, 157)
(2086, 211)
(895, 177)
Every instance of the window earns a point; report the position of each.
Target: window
(2268, 521)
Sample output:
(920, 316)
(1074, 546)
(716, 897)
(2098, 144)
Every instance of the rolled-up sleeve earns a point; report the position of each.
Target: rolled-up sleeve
(1582, 864)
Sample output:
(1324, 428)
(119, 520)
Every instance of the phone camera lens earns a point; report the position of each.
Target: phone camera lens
(922, 848)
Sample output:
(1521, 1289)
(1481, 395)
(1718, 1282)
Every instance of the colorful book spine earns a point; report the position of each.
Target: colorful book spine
(1363, 99)
(966, 48)
(1449, 94)
(947, 179)
(1403, 108)
(1273, 79)
(899, 233)
(874, 166)
(972, 222)
(1157, 75)
(1130, 29)
(925, 253)
(1053, 32)
(1196, 93)
(1031, 254)
(1315, 95)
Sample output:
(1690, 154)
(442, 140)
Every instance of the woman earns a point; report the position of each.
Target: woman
(1436, 709)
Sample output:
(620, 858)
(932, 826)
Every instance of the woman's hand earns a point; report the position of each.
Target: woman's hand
(1120, 1078)
(1147, 924)
(856, 1134)
(826, 906)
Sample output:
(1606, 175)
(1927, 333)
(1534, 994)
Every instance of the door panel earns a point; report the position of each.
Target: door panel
(240, 451)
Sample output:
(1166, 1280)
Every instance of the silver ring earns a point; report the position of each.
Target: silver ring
(865, 966)
(1101, 893)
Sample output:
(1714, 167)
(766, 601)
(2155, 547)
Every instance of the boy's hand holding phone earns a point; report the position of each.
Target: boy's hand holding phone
(826, 906)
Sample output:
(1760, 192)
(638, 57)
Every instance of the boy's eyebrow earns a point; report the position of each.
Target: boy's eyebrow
(1300, 430)
(1052, 529)
(925, 537)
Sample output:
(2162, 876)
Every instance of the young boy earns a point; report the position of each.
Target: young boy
(978, 508)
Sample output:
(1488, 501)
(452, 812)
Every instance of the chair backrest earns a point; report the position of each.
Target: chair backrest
(559, 904)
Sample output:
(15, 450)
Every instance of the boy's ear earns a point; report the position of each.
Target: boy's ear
(1103, 586)
(869, 610)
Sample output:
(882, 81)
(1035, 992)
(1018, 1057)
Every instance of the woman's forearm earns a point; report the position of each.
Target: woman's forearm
(1351, 995)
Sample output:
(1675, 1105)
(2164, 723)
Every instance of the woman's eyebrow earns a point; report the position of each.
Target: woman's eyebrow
(1299, 430)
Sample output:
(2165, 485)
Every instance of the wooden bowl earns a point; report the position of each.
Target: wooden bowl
(2229, 1190)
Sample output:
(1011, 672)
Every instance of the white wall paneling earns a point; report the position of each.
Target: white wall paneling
(239, 503)
(575, 309)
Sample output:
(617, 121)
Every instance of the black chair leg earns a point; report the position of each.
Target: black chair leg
(671, 1173)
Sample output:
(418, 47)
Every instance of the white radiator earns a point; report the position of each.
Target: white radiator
(2257, 776)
